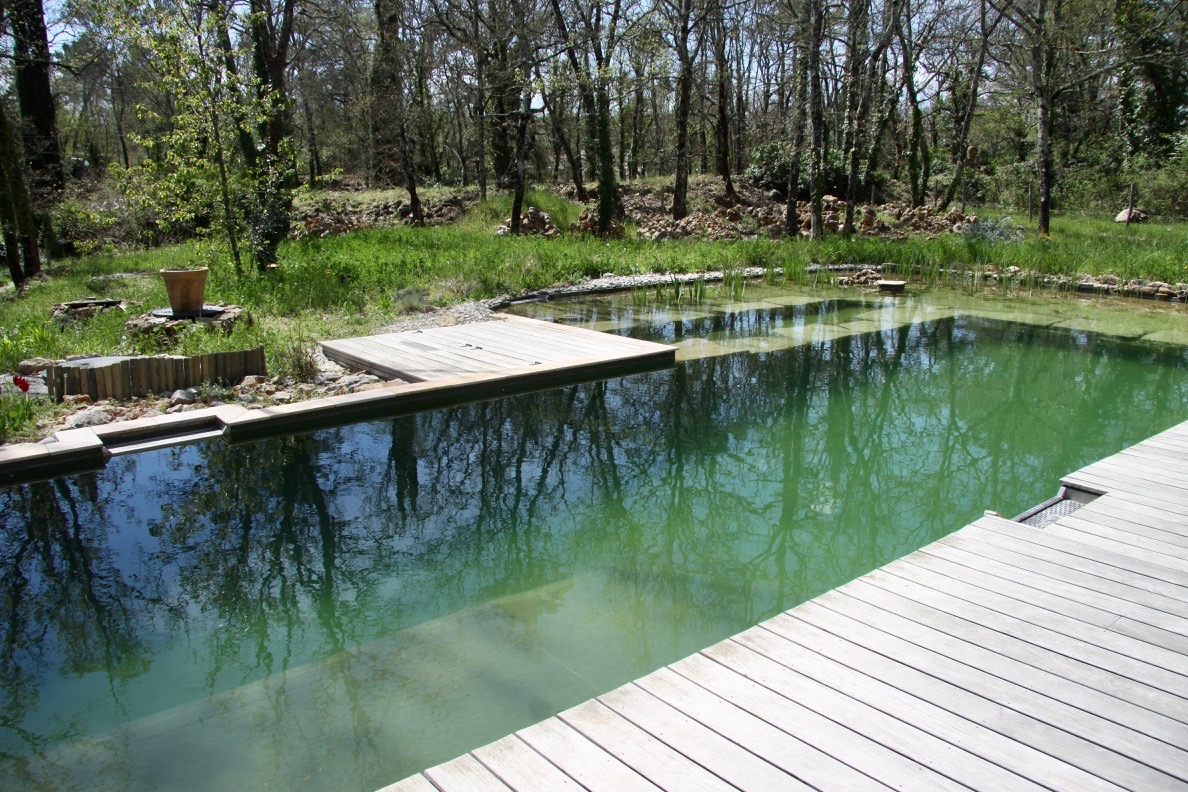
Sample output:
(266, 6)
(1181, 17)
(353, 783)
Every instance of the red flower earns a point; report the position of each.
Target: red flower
(21, 383)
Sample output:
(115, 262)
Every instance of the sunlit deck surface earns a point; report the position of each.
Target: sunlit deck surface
(1002, 657)
(507, 343)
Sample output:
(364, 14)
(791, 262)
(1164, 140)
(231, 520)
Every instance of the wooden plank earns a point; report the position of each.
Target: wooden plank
(1115, 545)
(512, 345)
(1145, 572)
(855, 749)
(1039, 669)
(1052, 727)
(1136, 467)
(522, 768)
(548, 344)
(1011, 625)
(638, 749)
(720, 756)
(914, 699)
(485, 355)
(1138, 511)
(420, 366)
(568, 331)
(905, 737)
(1130, 490)
(785, 751)
(1106, 602)
(464, 359)
(1103, 579)
(1135, 520)
(464, 774)
(587, 763)
(1128, 536)
(789, 715)
(1085, 623)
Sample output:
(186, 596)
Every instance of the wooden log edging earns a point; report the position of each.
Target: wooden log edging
(143, 376)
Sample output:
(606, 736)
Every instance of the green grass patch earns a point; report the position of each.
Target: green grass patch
(489, 214)
(357, 283)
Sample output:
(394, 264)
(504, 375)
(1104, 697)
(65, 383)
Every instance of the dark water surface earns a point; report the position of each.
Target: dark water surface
(337, 610)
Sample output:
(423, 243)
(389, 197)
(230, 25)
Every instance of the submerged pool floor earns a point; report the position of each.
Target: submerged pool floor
(340, 609)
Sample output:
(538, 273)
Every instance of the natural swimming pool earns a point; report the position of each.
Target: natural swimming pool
(339, 609)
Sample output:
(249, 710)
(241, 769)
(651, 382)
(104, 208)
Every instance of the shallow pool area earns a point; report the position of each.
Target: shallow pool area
(340, 609)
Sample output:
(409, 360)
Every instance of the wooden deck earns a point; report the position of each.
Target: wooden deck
(1001, 657)
(502, 344)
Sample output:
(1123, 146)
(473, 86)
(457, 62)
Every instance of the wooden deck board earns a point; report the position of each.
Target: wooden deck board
(488, 348)
(999, 657)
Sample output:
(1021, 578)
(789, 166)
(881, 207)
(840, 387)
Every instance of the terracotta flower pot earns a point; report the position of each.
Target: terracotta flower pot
(186, 289)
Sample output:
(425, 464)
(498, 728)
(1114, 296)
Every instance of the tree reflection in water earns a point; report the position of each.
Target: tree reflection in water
(341, 608)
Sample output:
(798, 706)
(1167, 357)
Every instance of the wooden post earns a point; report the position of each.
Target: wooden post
(1130, 205)
(139, 377)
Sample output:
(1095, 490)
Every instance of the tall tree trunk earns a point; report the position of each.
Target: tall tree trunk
(722, 129)
(799, 113)
(918, 156)
(276, 172)
(857, 34)
(684, 19)
(595, 100)
(975, 85)
(315, 157)
(480, 105)
(884, 97)
(816, 116)
(388, 86)
(523, 117)
(1043, 58)
(16, 209)
(39, 128)
(574, 162)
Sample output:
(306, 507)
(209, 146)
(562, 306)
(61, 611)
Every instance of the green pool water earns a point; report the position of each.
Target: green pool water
(337, 610)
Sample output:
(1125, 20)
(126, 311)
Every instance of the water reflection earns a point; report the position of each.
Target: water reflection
(339, 609)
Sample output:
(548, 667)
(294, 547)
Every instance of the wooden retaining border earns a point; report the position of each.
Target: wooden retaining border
(125, 377)
(77, 450)
(1001, 657)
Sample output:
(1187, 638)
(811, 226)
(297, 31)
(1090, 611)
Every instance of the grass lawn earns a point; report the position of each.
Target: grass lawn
(356, 283)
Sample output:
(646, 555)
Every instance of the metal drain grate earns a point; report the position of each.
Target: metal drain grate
(1066, 502)
(1052, 513)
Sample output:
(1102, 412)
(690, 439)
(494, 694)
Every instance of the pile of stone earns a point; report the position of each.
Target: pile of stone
(588, 222)
(928, 220)
(863, 277)
(333, 219)
(66, 313)
(532, 221)
(167, 327)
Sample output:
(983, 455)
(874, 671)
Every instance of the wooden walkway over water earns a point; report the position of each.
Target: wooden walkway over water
(1001, 657)
(505, 343)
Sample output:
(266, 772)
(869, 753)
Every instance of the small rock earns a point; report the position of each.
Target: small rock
(183, 396)
(282, 396)
(252, 380)
(247, 398)
(76, 398)
(1135, 216)
(175, 409)
(33, 365)
(94, 416)
(367, 386)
